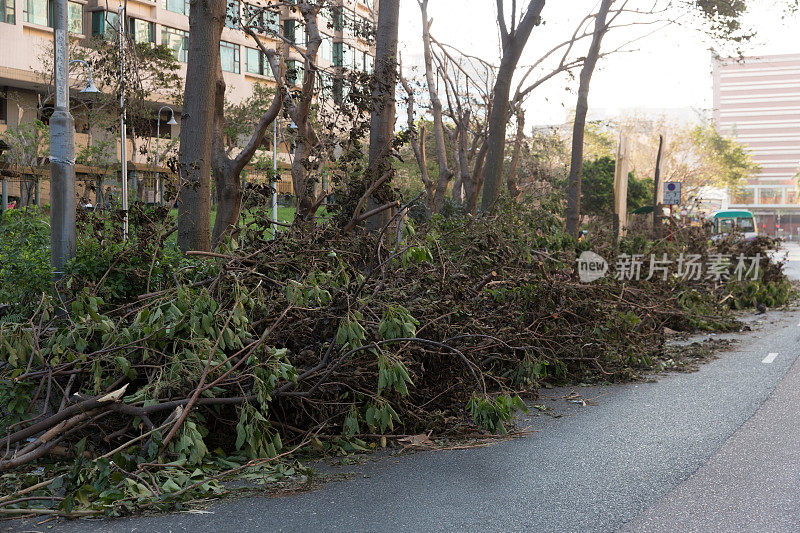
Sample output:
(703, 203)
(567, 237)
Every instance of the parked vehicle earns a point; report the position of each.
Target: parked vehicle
(738, 221)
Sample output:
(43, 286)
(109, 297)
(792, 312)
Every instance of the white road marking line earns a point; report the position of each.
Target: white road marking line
(770, 358)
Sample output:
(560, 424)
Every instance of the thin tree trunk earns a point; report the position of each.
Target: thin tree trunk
(656, 185)
(512, 181)
(206, 18)
(445, 174)
(578, 130)
(513, 42)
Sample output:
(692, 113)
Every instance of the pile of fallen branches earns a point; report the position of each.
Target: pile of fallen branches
(317, 339)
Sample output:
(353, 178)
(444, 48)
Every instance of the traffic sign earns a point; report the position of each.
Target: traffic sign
(672, 193)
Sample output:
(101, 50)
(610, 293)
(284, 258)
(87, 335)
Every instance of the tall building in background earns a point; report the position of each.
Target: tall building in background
(757, 102)
(26, 38)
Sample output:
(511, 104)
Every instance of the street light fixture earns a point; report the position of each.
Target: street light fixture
(171, 122)
(90, 86)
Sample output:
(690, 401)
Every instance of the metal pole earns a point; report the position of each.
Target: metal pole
(123, 132)
(4, 200)
(274, 176)
(160, 189)
(62, 153)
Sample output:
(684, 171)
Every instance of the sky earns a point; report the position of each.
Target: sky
(666, 69)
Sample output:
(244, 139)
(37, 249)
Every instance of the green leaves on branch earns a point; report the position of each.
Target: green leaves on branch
(392, 374)
(351, 334)
(397, 323)
(493, 414)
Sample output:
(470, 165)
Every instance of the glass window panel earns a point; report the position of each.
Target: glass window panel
(338, 54)
(37, 12)
(326, 49)
(229, 56)
(770, 196)
(744, 196)
(176, 6)
(232, 15)
(143, 31)
(177, 40)
(75, 18)
(7, 11)
(252, 60)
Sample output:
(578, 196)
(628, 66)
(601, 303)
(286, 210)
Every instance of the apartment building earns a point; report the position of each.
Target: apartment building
(757, 101)
(26, 37)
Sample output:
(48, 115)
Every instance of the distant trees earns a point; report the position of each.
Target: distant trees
(597, 198)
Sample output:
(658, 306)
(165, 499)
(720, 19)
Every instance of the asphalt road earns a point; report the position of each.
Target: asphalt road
(714, 450)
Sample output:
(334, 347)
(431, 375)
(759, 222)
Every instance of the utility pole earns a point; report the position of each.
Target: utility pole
(62, 153)
(123, 129)
(656, 189)
(274, 177)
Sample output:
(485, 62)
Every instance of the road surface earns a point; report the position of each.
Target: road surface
(714, 450)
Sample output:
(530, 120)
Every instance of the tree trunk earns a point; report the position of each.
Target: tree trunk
(656, 185)
(445, 175)
(581, 108)
(513, 42)
(206, 18)
(383, 94)
(227, 171)
(512, 181)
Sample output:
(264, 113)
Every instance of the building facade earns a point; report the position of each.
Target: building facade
(26, 38)
(757, 102)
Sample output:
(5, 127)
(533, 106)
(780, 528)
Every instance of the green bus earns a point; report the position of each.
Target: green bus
(729, 221)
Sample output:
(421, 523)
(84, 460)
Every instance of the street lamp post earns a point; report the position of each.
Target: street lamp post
(122, 126)
(171, 122)
(274, 176)
(62, 150)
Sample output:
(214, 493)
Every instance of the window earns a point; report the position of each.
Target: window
(338, 54)
(75, 18)
(770, 196)
(104, 23)
(256, 62)
(348, 56)
(326, 85)
(369, 63)
(7, 11)
(3, 105)
(265, 22)
(176, 6)
(143, 31)
(745, 196)
(232, 15)
(295, 32)
(326, 49)
(177, 40)
(229, 56)
(294, 72)
(327, 18)
(746, 224)
(338, 18)
(38, 12)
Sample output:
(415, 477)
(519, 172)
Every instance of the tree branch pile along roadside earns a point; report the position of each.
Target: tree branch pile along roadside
(149, 376)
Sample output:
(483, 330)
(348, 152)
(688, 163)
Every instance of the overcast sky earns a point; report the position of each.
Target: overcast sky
(669, 69)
